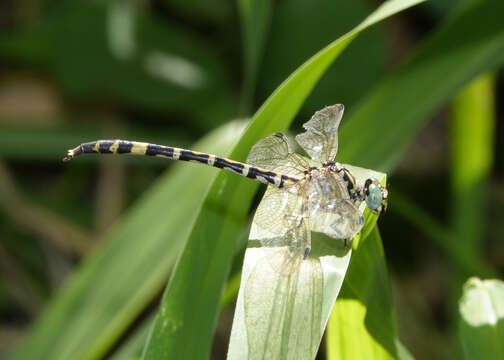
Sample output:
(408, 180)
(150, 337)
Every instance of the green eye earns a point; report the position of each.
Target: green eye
(374, 198)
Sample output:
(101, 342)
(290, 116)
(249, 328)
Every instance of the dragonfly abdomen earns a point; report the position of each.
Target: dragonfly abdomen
(140, 148)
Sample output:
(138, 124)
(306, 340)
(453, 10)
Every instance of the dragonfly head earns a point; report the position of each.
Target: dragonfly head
(376, 196)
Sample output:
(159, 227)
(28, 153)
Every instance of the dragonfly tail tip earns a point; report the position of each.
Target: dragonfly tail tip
(69, 156)
(73, 153)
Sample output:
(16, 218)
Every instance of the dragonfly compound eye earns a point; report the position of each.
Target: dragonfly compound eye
(374, 196)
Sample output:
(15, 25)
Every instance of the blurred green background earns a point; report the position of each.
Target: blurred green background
(171, 72)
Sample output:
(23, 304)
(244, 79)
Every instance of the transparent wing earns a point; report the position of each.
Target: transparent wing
(279, 210)
(320, 140)
(342, 221)
(275, 153)
(286, 308)
(332, 212)
(281, 221)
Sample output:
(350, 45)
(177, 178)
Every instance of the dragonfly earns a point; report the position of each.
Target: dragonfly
(321, 196)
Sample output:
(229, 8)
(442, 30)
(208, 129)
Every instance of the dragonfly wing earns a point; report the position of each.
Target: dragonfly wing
(283, 314)
(320, 140)
(281, 221)
(277, 213)
(283, 293)
(275, 153)
(341, 221)
(331, 210)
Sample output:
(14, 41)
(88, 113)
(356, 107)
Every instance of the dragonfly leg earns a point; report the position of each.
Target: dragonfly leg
(306, 253)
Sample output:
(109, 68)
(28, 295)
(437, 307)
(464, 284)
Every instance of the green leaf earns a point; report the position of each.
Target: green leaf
(187, 315)
(481, 324)
(283, 316)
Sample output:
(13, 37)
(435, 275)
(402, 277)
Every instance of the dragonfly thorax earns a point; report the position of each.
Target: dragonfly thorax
(331, 209)
(345, 175)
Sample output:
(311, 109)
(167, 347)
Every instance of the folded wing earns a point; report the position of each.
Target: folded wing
(320, 140)
(331, 210)
(275, 153)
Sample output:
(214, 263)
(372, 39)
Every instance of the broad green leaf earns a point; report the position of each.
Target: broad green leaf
(283, 316)
(125, 273)
(188, 311)
(481, 324)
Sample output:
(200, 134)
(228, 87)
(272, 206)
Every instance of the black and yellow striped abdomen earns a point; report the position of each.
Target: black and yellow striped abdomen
(141, 148)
